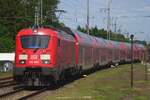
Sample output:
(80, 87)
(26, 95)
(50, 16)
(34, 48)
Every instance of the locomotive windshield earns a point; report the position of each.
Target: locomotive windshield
(35, 41)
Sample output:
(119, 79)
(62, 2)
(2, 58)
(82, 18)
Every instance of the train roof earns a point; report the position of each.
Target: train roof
(84, 38)
(81, 37)
(122, 45)
(39, 31)
(142, 47)
(100, 41)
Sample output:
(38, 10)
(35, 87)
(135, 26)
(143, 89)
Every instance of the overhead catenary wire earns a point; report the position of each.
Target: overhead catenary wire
(78, 14)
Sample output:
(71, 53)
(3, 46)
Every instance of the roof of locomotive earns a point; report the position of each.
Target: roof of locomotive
(37, 31)
(47, 31)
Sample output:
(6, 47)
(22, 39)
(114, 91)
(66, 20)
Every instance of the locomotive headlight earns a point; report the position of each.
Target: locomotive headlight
(45, 61)
(23, 57)
(22, 61)
(45, 57)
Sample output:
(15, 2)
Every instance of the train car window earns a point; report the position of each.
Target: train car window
(58, 43)
(35, 41)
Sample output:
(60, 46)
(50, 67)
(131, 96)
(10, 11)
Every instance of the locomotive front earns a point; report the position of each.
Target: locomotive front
(34, 59)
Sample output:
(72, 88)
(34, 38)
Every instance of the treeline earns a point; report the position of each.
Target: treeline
(94, 31)
(18, 14)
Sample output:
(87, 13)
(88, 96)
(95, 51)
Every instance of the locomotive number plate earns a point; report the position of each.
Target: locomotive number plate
(34, 57)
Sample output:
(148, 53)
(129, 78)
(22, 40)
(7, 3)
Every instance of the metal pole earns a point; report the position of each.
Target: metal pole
(36, 20)
(146, 76)
(26, 14)
(132, 36)
(88, 17)
(146, 68)
(41, 12)
(115, 25)
(108, 20)
(35, 16)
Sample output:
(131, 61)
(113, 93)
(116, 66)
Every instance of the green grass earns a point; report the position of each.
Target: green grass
(5, 74)
(109, 84)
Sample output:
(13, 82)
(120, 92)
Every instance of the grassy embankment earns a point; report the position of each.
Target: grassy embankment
(108, 84)
(5, 74)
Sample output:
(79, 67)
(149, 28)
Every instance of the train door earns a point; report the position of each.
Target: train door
(92, 59)
(99, 56)
(114, 54)
(83, 57)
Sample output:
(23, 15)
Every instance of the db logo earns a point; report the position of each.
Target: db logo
(34, 57)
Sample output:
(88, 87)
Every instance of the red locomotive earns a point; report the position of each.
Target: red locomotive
(47, 55)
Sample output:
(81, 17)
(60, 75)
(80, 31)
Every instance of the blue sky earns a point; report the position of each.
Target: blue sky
(132, 16)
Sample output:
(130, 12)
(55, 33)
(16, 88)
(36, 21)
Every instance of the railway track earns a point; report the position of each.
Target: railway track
(11, 93)
(7, 82)
(33, 94)
(20, 95)
(8, 85)
(6, 78)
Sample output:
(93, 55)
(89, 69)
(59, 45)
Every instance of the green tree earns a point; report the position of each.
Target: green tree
(94, 31)
(18, 14)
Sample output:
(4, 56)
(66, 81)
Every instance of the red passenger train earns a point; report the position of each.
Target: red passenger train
(45, 55)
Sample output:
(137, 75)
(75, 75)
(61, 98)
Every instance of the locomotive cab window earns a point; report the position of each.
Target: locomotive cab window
(35, 41)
